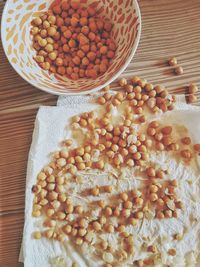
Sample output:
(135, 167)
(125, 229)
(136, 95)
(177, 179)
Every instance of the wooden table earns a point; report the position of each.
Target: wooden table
(169, 28)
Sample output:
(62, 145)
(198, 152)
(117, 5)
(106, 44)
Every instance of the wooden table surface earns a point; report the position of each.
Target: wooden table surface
(169, 28)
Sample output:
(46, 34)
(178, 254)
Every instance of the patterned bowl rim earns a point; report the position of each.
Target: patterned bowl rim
(117, 74)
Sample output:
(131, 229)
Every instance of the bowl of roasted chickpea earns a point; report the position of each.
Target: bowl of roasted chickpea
(70, 47)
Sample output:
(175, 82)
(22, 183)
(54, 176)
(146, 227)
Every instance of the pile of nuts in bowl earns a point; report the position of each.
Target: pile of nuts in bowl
(73, 41)
(118, 145)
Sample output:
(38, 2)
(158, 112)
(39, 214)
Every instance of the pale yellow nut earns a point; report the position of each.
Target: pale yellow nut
(43, 33)
(119, 96)
(107, 88)
(153, 188)
(50, 212)
(133, 221)
(61, 215)
(82, 232)
(81, 166)
(158, 136)
(142, 83)
(67, 229)
(79, 209)
(50, 186)
(42, 42)
(43, 202)
(52, 19)
(74, 232)
(127, 204)
(159, 146)
(45, 65)
(52, 55)
(160, 215)
(51, 179)
(87, 157)
(69, 208)
(125, 213)
(51, 31)
(123, 82)
(121, 228)
(37, 21)
(104, 244)
(41, 176)
(49, 233)
(43, 193)
(62, 197)
(49, 48)
(149, 87)
(34, 30)
(139, 215)
(123, 196)
(160, 202)
(73, 170)
(37, 235)
(69, 142)
(108, 211)
(46, 24)
(80, 151)
(101, 100)
(124, 234)
(36, 213)
(152, 95)
(95, 191)
(100, 164)
(139, 201)
(96, 226)
(173, 61)
(130, 162)
(101, 203)
(168, 213)
(135, 79)
(42, 184)
(39, 59)
(178, 237)
(52, 195)
(79, 241)
(110, 228)
(83, 223)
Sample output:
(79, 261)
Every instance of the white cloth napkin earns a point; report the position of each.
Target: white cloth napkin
(50, 129)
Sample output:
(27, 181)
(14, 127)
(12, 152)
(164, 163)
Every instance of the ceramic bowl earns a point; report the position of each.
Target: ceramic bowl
(17, 43)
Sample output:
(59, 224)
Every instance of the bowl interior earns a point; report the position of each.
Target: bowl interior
(17, 43)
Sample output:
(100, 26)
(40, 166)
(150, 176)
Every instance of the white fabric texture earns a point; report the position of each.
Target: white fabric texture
(50, 129)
